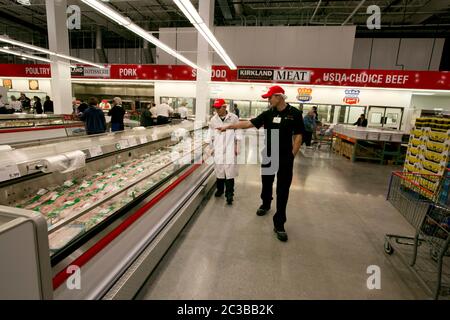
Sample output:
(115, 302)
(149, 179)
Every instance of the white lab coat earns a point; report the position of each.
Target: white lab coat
(223, 145)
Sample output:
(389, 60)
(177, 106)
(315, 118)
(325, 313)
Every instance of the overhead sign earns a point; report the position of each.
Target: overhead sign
(280, 75)
(351, 96)
(432, 80)
(255, 74)
(297, 76)
(304, 94)
(90, 72)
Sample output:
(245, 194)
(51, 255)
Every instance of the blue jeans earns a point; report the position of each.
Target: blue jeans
(116, 127)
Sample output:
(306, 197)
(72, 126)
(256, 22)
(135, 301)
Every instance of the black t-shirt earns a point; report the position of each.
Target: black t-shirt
(289, 122)
(117, 113)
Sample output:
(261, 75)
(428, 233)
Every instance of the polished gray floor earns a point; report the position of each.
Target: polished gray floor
(337, 219)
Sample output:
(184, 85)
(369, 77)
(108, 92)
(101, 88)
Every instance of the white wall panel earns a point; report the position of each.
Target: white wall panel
(414, 54)
(273, 46)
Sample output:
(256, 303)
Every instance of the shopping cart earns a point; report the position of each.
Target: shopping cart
(323, 136)
(419, 198)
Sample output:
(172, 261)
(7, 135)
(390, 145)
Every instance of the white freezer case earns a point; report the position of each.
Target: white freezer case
(122, 174)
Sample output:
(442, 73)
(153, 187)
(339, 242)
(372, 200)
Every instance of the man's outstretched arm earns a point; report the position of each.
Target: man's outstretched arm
(240, 125)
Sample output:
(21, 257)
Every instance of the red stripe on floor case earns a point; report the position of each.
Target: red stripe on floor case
(97, 247)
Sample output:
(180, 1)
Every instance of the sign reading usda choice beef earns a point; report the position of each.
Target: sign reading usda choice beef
(255, 74)
(284, 75)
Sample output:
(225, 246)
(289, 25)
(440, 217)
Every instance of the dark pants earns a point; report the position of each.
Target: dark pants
(284, 179)
(307, 138)
(162, 120)
(228, 185)
(117, 126)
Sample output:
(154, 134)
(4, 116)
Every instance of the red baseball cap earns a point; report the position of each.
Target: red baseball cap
(273, 90)
(218, 103)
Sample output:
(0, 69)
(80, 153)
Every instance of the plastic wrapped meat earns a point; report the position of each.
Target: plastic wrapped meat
(62, 202)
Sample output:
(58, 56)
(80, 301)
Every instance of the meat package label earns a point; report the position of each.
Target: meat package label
(123, 144)
(9, 171)
(132, 142)
(95, 151)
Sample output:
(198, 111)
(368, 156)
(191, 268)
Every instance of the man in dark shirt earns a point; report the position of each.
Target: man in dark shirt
(236, 110)
(93, 118)
(362, 121)
(117, 113)
(283, 138)
(48, 105)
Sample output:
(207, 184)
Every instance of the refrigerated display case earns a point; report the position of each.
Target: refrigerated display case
(20, 127)
(106, 199)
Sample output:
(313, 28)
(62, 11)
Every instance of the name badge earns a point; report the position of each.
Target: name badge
(276, 120)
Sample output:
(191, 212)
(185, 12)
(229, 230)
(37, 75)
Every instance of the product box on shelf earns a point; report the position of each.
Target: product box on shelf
(373, 135)
(385, 136)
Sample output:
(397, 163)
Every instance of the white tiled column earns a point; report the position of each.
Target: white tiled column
(58, 39)
(204, 60)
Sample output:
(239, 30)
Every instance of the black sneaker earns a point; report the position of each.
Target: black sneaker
(262, 211)
(229, 200)
(218, 193)
(281, 235)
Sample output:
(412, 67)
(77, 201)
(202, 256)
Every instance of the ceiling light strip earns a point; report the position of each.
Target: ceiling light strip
(46, 51)
(191, 13)
(127, 23)
(24, 55)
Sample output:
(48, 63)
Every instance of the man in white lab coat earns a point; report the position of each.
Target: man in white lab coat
(225, 147)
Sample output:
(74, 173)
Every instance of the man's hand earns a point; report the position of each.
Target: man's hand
(224, 128)
(236, 149)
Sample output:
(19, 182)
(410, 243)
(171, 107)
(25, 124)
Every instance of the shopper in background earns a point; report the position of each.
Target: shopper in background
(82, 108)
(93, 118)
(316, 115)
(15, 104)
(146, 116)
(153, 111)
(361, 122)
(38, 105)
(48, 105)
(3, 109)
(26, 102)
(288, 122)
(236, 110)
(183, 111)
(310, 127)
(225, 146)
(163, 112)
(117, 113)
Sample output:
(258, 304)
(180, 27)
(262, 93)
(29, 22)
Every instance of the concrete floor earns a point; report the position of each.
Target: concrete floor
(337, 219)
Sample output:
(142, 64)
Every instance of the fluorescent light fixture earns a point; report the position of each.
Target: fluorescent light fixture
(127, 23)
(108, 11)
(24, 55)
(46, 51)
(191, 13)
(423, 93)
(24, 45)
(79, 60)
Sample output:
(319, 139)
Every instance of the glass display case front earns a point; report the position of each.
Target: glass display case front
(119, 171)
(23, 120)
